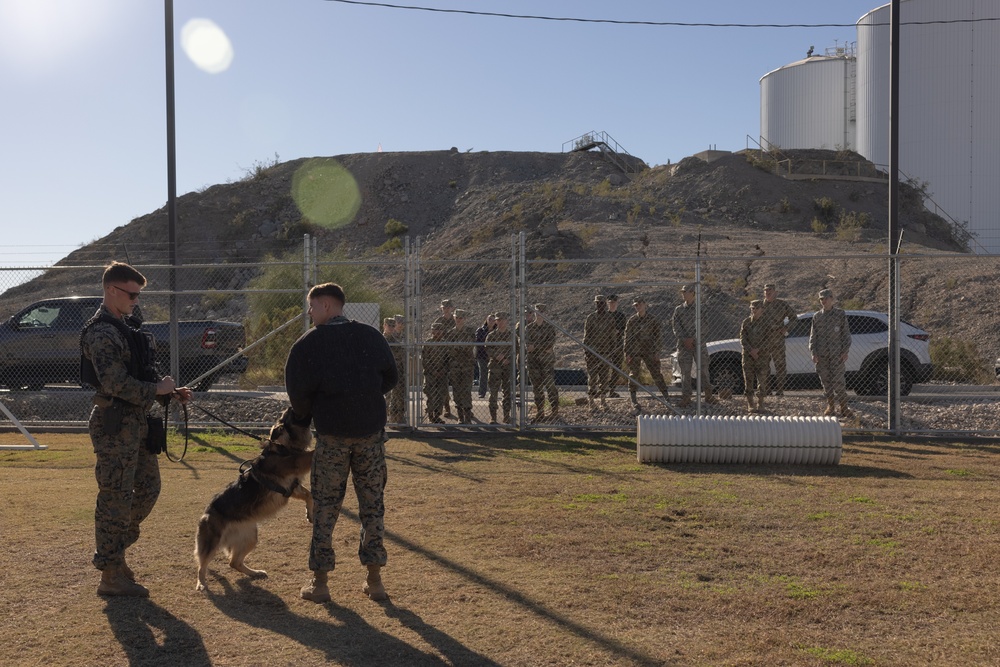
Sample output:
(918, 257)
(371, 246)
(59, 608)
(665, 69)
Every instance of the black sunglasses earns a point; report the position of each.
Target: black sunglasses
(131, 295)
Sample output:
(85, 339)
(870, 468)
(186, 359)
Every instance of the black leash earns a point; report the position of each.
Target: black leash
(187, 432)
(223, 421)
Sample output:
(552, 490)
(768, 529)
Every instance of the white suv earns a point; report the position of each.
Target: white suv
(867, 364)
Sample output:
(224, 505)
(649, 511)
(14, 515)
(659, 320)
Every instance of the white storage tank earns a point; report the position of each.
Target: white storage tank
(810, 103)
(949, 132)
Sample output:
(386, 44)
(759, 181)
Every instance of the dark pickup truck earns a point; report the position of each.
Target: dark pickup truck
(41, 345)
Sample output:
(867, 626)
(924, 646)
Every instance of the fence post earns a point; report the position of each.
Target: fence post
(305, 282)
(522, 329)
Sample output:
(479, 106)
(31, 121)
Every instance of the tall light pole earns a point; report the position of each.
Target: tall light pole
(168, 22)
(894, 238)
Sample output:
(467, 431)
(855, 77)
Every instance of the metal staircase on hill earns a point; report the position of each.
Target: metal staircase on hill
(610, 149)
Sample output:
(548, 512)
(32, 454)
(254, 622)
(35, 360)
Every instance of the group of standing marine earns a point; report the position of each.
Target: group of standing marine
(762, 338)
(612, 340)
(454, 352)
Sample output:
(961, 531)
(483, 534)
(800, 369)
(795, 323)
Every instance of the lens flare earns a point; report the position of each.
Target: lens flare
(326, 193)
(207, 45)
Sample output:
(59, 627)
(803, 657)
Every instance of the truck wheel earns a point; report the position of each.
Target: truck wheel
(727, 375)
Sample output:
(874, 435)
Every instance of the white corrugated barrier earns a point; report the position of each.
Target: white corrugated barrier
(749, 439)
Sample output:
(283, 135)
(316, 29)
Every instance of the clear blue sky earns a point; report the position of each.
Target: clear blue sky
(83, 92)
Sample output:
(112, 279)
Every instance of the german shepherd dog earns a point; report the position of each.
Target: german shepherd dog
(263, 488)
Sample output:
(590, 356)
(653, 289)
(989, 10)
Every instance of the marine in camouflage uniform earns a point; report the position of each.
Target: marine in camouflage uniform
(435, 363)
(755, 332)
(462, 364)
(500, 366)
(642, 346)
(397, 395)
(685, 329)
(617, 354)
(541, 364)
(830, 343)
(447, 318)
(599, 335)
(775, 311)
(337, 375)
(128, 474)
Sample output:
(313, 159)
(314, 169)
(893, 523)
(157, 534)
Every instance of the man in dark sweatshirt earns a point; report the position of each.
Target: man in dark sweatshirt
(336, 375)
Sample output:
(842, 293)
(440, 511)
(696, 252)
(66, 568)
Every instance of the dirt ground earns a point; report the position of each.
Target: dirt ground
(523, 550)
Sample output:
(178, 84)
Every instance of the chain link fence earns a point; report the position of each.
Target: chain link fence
(580, 344)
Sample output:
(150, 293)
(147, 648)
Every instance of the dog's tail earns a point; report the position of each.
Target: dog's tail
(207, 540)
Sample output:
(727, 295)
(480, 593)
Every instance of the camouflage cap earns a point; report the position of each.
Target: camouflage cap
(599, 297)
(446, 303)
(826, 294)
(637, 299)
(768, 285)
(437, 326)
(501, 315)
(399, 319)
(390, 321)
(688, 288)
(460, 313)
(541, 307)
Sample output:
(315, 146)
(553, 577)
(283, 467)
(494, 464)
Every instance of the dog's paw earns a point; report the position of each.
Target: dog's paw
(200, 586)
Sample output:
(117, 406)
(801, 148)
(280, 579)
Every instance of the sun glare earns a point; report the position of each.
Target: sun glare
(207, 45)
(36, 36)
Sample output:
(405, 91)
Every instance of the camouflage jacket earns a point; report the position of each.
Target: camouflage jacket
(642, 335)
(109, 352)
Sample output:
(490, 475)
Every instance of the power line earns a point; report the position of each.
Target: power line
(675, 24)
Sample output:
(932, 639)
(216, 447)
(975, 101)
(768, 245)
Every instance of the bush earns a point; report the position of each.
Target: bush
(818, 226)
(268, 311)
(395, 228)
(825, 206)
(959, 361)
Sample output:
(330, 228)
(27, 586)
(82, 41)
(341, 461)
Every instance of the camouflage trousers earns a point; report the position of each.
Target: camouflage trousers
(499, 383)
(599, 374)
(831, 376)
(128, 484)
(652, 362)
(396, 401)
(337, 457)
(686, 360)
(460, 379)
(542, 375)
(756, 371)
(774, 351)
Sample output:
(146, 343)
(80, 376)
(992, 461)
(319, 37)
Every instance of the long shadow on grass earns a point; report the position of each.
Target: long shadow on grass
(133, 620)
(533, 448)
(611, 645)
(347, 638)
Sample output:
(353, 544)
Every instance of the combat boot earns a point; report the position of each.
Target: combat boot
(592, 403)
(751, 408)
(845, 411)
(760, 404)
(115, 582)
(635, 402)
(493, 415)
(317, 590)
(830, 408)
(373, 587)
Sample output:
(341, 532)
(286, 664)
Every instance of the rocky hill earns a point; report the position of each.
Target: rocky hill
(575, 206)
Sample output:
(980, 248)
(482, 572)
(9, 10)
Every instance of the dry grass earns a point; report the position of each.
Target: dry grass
(534, 551)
